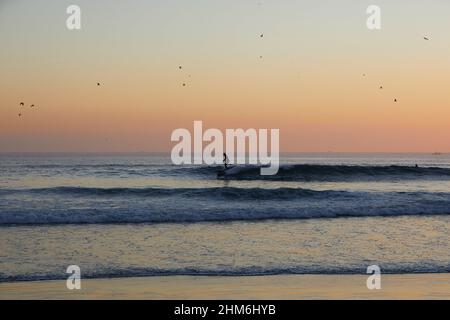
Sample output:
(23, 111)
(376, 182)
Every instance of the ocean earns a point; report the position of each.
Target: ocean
(123, 215)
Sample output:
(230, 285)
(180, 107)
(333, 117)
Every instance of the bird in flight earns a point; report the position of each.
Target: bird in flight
(32, 106)
(395, 100)
(180, 67)
(20, 114)
(98, 83)
(262, 35)
(426, 38)
(21, 103)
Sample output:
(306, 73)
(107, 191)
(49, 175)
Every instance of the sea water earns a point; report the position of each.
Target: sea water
(117, 215)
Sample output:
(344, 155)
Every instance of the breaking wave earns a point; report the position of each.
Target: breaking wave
(75, 205)
(309, 172)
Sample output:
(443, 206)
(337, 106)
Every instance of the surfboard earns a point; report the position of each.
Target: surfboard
(223, 172)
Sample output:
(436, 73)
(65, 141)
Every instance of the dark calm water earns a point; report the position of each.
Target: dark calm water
(128, 215)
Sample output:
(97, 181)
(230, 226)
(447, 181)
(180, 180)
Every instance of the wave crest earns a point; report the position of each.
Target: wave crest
(310, 172)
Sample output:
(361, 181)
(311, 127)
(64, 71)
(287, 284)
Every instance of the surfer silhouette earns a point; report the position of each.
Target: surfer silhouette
(225, 160)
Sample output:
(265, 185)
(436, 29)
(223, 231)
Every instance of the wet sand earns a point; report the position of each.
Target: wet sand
(406, 286)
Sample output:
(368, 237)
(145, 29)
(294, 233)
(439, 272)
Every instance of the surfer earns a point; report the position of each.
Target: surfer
(225, 160)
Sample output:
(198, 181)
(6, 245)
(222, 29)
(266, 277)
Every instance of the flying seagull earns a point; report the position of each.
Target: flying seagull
(21, 103)
(426, 38)
(32, 106)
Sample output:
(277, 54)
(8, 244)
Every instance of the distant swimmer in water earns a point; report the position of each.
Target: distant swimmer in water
(226, 161)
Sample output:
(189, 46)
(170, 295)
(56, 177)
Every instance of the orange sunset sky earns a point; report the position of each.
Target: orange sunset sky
(305, 76)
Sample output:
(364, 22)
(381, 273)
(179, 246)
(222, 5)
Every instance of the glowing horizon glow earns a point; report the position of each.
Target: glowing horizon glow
(309, 82)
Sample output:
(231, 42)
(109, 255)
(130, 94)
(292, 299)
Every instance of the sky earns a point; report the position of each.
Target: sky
(315, 74)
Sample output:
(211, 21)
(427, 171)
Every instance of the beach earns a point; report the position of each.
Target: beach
(224, 150)
(407, 286)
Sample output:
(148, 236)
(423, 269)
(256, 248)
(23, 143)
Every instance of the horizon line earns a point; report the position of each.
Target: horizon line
(169, 152)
